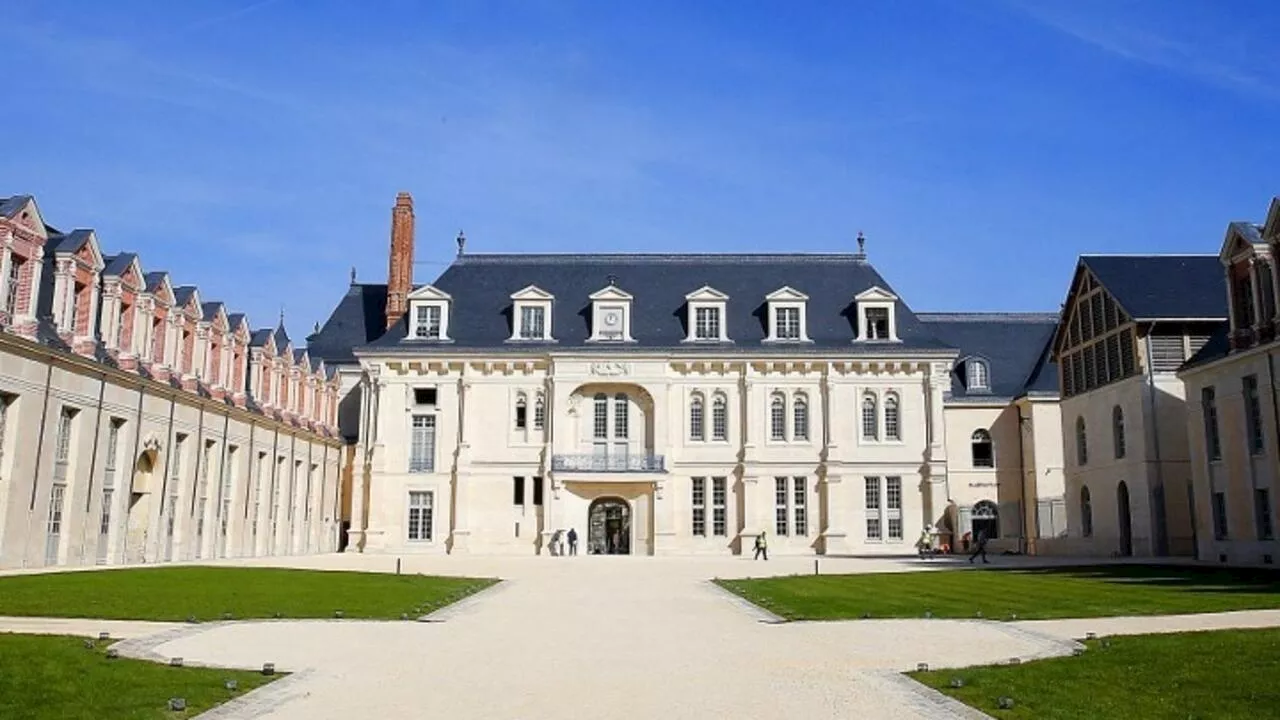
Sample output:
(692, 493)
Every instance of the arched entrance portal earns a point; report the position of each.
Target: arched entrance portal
(139, 508)
(985, 521)
(1126, 522)
(609, 527)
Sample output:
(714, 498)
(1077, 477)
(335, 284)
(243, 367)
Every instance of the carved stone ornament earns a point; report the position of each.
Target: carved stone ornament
(610, 369)
(151, 444)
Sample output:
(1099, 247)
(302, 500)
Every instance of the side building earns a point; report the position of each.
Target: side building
(1234, 418)
(1129, 323)
(142, 423)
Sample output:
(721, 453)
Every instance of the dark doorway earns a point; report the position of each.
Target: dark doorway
(609, 527)
(985, 521)
(1126, 523)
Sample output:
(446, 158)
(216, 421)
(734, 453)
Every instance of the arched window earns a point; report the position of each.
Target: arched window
(870, 421)
(1086, 512)
(892, 421)
(980, 443)
(522, 412)
(696, 428)
(800, 416)
(600, 420)
(978, 376)
(1117, 430)
(621, 414)
(540, 412)
(777, 418)
(1082, 443)
(719, 418)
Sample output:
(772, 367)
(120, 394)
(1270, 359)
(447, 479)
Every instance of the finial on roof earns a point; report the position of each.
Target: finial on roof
(353, 274)
(862, 247)
(613, 279)
(316, 329)
(281, 316)
(462, 243)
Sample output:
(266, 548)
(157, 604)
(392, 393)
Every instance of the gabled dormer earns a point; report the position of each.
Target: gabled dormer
(531, 315)
(239, 336)
(974, 372)
(877, 315)
(217, 355)
(611, 314)
(429, 314)
(1251, 283)
(262, 360)
(75, 262)
(186, 319)
(23, 235)
(159, 304)
(788, 316)
(708, 315)
(122, 286)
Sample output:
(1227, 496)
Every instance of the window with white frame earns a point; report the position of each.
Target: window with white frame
(422, 444)
(696, 419)
(876, 315)
(533, 322)
(706, 318)
(892, 418)
(698, 501)
(871, 495)
(719, 417)
(227, 494)
(977, 375)
(6, 402)
(420, 519)
(777, 417)
(532, 314)
(893, 506)
(870, 418)
(781, 503)
(429, 313)
(981, 449)
(426, 322)
(522, 411)
(790, 506)
(600, 418)
(1209, 412)
(787, 315)
(800, 417)
(621, 416)
(15, 278)
(719, 507)
(258, 476)
(800, 506)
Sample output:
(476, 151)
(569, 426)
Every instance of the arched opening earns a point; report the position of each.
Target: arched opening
(139, 519)
(980, 447)
(1126, 522)
(609, 527)
(1086, 513)
(985, 520)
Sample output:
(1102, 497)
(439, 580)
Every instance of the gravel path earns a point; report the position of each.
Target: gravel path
(607, 639)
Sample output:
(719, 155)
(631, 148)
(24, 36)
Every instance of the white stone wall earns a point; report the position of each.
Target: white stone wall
(38, 385)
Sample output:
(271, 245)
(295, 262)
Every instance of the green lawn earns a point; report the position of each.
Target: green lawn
(206, 593)
(998, 594)
(52, 677)
(1225, 675)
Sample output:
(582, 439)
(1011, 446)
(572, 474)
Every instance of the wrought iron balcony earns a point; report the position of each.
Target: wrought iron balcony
(589, 462)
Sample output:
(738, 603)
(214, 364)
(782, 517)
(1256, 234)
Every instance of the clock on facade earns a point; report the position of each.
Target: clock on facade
(612, 318)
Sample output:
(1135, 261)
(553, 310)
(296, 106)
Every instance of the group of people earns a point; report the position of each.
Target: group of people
(558, 542)
(928, 545)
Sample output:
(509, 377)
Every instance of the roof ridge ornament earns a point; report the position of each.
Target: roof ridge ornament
(462, 243)
(862, 247)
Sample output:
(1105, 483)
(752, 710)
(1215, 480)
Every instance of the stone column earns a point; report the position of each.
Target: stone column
(839, 509)
(6, 260)
(663, 506)
(461, 535)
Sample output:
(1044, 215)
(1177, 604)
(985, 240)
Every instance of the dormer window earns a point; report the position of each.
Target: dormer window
(611, 315)
(877, 315)
(429, 314)
(787, 316)
(977, 375)
(707, 315)
(531, 314)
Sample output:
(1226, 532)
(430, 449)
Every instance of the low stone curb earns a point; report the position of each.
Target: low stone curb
(926, 701)
(464, 606)
(760, 614)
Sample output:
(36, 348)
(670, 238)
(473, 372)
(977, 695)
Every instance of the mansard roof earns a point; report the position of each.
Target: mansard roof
(359, 319)
(482, 286)
(1163, 287)
(1014, 346)
(118, 264)
(261, 337)
(183, 294)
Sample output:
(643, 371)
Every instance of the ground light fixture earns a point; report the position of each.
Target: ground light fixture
(1077, 651)
(191, 619)
(104, 635)
(226, 616)
(1091, 636)
(177, 704)
(404, 616)
(1005, 703)
(922, 667)
(175, 662)
(337, 614)
(268, 668)
(957, 682)
(112, 653)
(89, 644)
(231, 685)
(928, 614)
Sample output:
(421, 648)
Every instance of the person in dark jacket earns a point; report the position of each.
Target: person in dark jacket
(981, 548)
(573, 541)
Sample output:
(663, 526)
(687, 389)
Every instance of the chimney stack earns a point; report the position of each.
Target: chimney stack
(400, 272)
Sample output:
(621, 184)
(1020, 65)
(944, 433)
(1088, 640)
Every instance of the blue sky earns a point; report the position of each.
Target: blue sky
(255, 148)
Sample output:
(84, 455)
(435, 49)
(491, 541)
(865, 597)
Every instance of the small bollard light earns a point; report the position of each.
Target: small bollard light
(1077, 651)
(175, 662)
(104, 635)
(177, 704)
(268, 668)
(337, 613)
(1013, 616)
(1091, 636)
(1015, 661)
(112, 653)
(957, 682)
(397, 566)
(978, 614)
(815, 567)
(191, 619)
(231, 685)
(226, 616)
(277, 615)
(866, 616)
(922, 667)
(1106, 643)
(89, 644)
(404, 616)
(928, 614)
(1005, 703)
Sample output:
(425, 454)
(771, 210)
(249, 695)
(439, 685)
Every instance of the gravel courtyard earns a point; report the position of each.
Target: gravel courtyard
(607, 638)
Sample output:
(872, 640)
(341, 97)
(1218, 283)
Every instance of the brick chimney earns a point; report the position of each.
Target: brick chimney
(400, 273)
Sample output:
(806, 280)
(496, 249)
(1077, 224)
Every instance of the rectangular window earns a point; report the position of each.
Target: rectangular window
(872, 495)
(54, 528)
(257, 498)
(719, 419)
(226, 494)
(532, 323)
(787, 323)
(420, 515)
(15, 280)
(1253, 414)
(428, 322)
(707, 323)
(621, 413)
(424, 396)
(62, 449)
(777, 419)
(877, 323)
(175, 465)
(719, 507)
(799, 506)
(522, 414)
(1220, 516)
(104, 522)
(1209, 408)
(6, 401)
(1262, 512)
(696, 429)
(517, 491)
(699, 504)
(422, 444)
(600, 419)
(781, 499)
(113, 452)
(537, 490)
(893, 505)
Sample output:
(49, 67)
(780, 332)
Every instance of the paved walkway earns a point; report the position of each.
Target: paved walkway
(606, 639)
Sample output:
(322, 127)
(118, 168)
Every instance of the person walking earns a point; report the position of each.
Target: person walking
(573, 541)
(762, 547)
(981, 548)
(925, 543)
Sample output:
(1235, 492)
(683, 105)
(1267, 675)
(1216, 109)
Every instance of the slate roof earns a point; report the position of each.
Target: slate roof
(282, 337)
(260, 337)
(1216, 347)
(209, 310)
(358, 319)
(481, 286)
(1163, 287)
(71, 242)
(182, 294)
(153, 279)
(234, 320)
(118, 263)
(1014, 345)
(11, 205)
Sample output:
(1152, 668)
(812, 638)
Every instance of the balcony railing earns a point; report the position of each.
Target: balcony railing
(588, 462)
